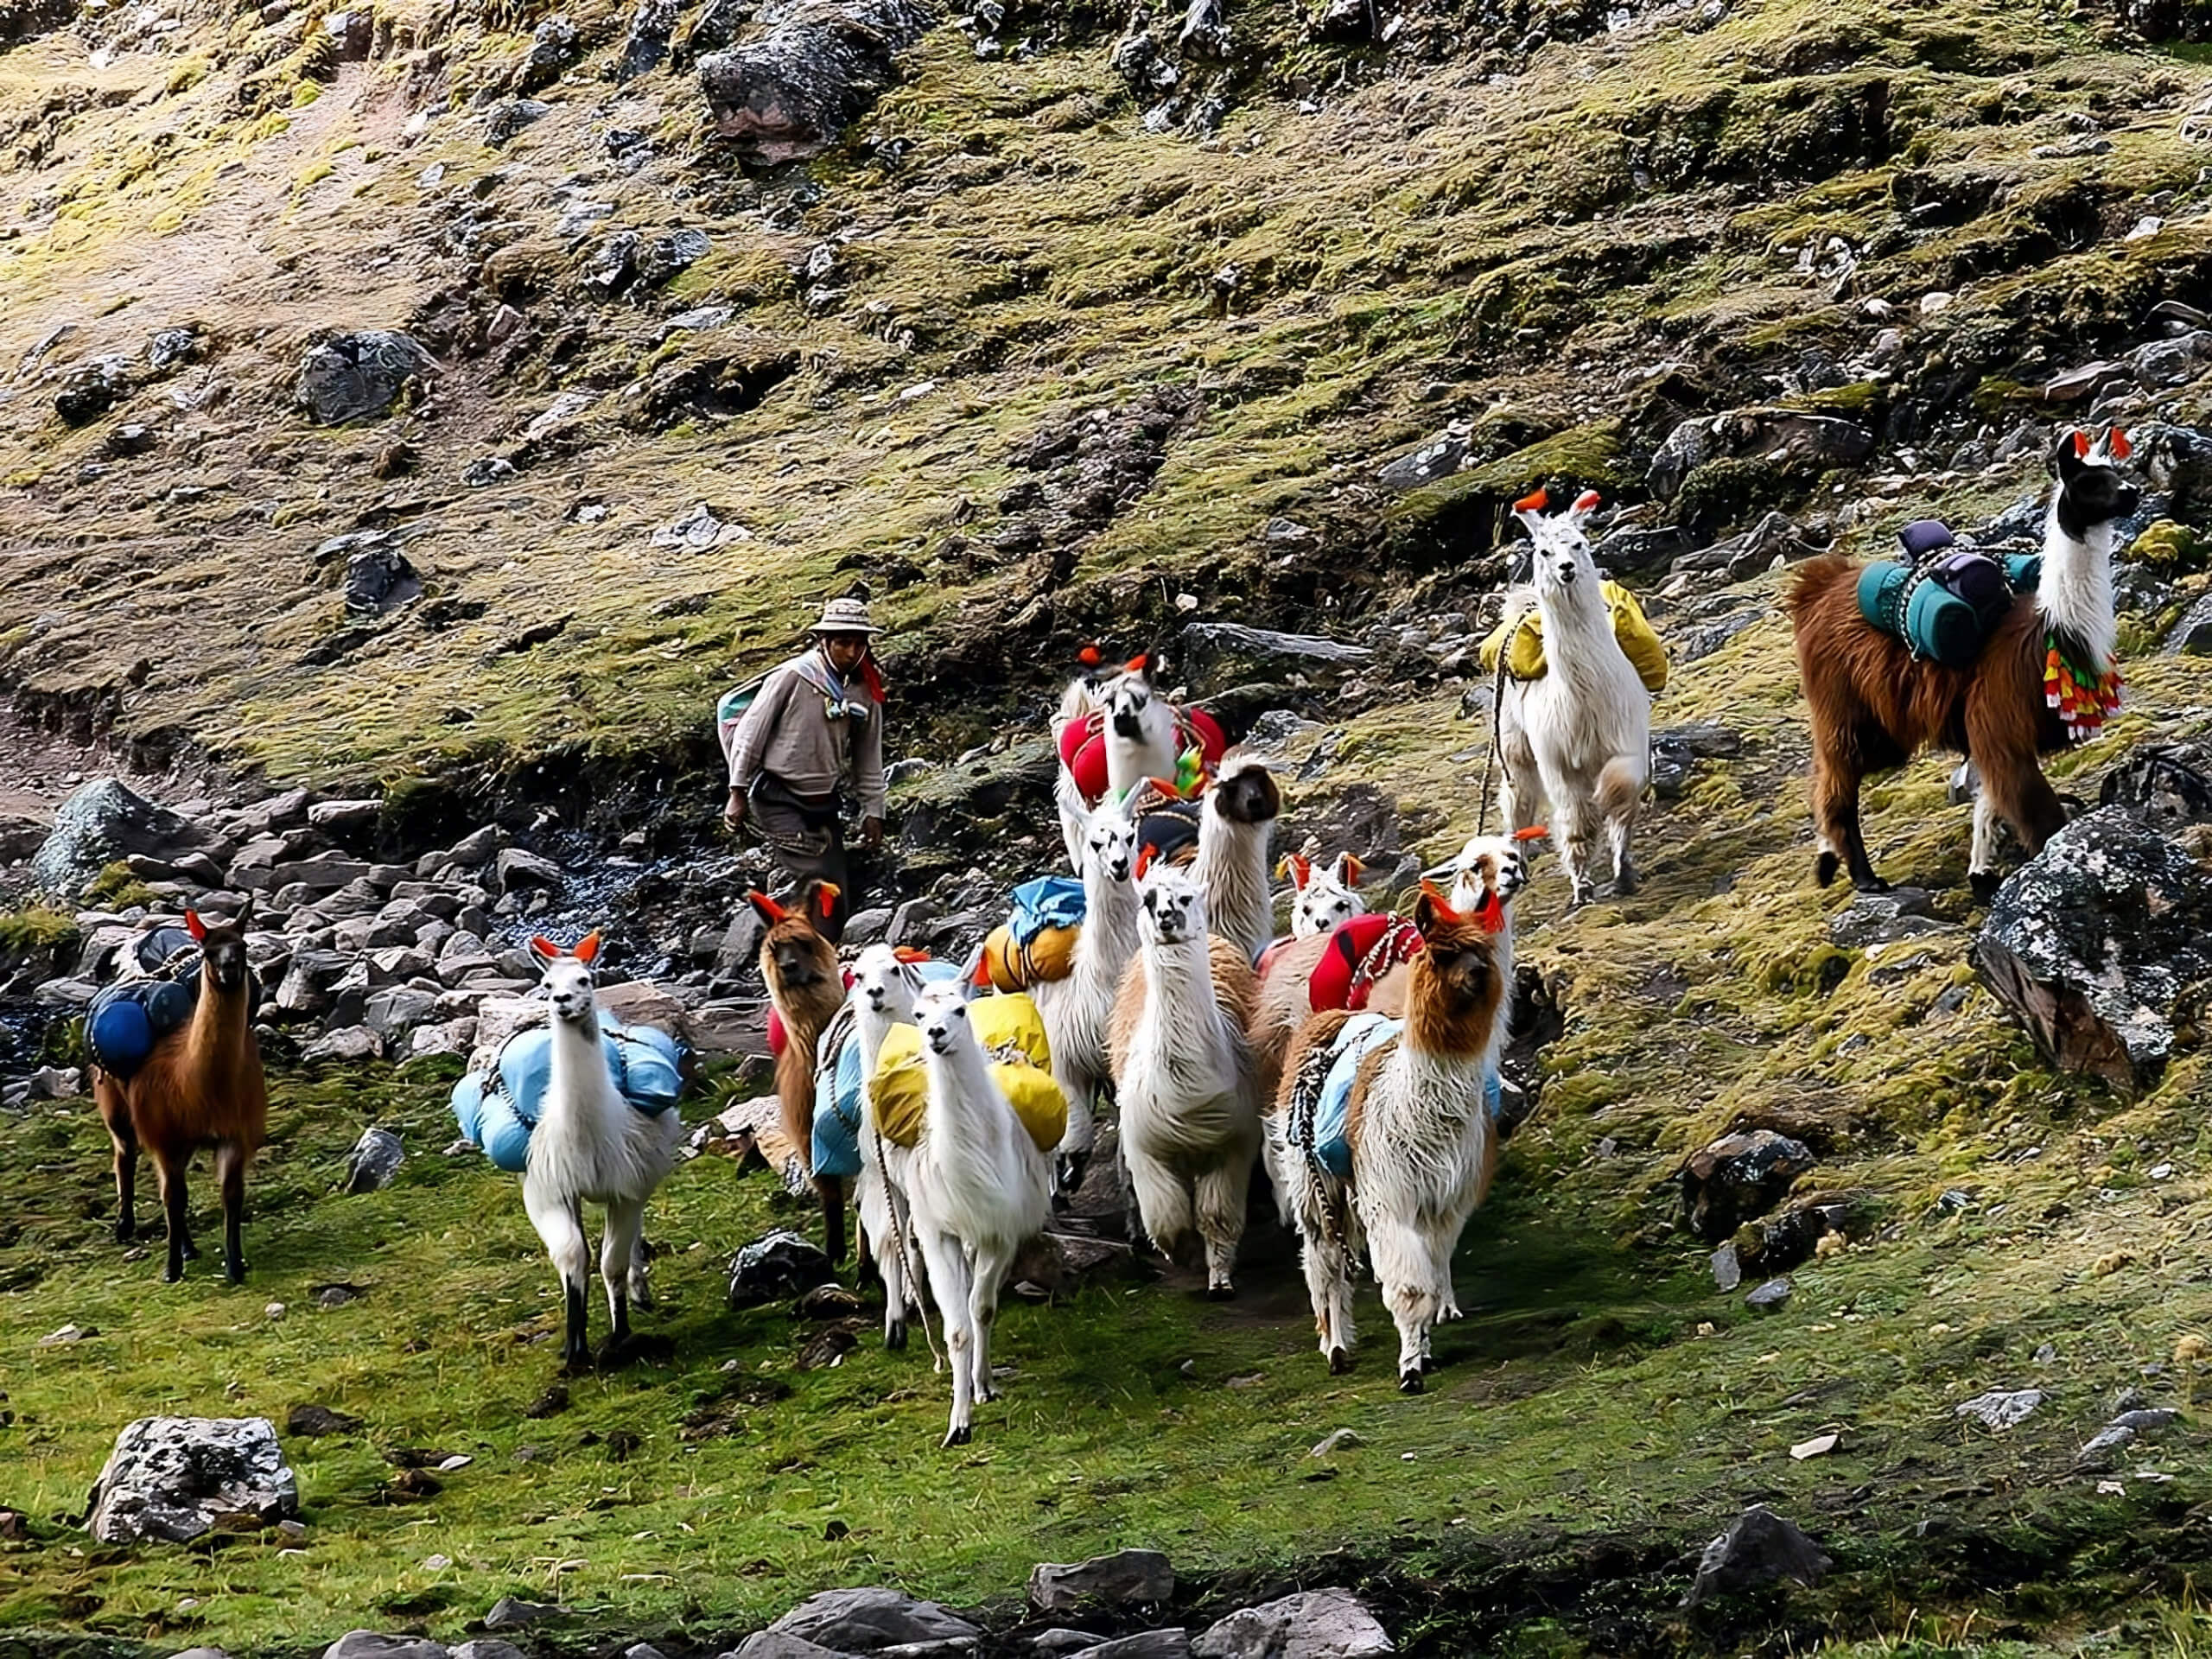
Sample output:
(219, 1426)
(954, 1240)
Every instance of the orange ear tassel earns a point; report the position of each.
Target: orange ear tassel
(1090, 655)
(1298, 868)
(1444, 913)
(1533, 832)
(1144, 854)
(767, 907)
(2081, 445)
(1534, 501)
(1353, 870)
(1586, 500)
(544, 946)
(2121, 448)
(586, 949)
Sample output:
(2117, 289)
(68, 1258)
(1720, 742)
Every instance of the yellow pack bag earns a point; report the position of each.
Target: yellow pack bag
(1051, 955)
(1524, 653)
(1013, 1035)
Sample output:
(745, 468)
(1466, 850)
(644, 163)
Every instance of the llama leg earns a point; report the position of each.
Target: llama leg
(641, 1286)
(121, 1130)
(831, 1189)
(873, 1198)
(1520, 793)
(1571, 831)
(230, 1161)
(561, 1227)
(1403, 1268)
(169, 1166)
(2001, 738)
(1072, 1158)
(618, 1255)
(1836, 773)
(1162, 1199)
(1620, 785)
(1982, 856)
(1223, 1194)
(990, 1268)
(948, 1280)
(1328, 1269)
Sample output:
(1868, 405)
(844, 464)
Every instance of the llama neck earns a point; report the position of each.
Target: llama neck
(1179, 976)
(871, 1028)
(2074, 596)
(577, 1074)
(1232, 867)
(961, 1093)
(1578, 630)
(219, 1025)
(1130, 761)
(1109, 938)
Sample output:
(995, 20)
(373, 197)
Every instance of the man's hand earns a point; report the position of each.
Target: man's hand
(733, 808)
(870, 833)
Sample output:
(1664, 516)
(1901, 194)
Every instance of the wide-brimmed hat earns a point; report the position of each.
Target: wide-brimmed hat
(845, 616)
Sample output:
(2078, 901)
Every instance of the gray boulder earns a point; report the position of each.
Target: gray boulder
(352, 376)
(91, 391)
(1229, 653)
(868, 1620)
(778, 1644)
(1737, 1177)
(1759, 1548)
(2165, 785)
(1675, 751)
(346, 1043)
(372, 1644)
(510, 118)
(376, 1158)
(1790, 437)
(665, 257)
(1311, 1624)
(517, 869)
(102, 822)
(1126, 1575)
(1174, 1643)
(779, 1264)
(2192, 635)
(553, 46)
(1439, 458)
(2100, 944)
(170, 1478)
(512, 1613)
(647, 43)
(1885, 918)
(786, 96)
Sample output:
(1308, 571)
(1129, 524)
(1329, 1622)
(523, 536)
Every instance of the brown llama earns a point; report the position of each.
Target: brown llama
(202, 1086)
(807, 987)
(1874, 705)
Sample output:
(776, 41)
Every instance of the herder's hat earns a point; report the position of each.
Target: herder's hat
(845, 616)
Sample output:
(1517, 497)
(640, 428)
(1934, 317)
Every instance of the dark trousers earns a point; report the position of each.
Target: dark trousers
(807, 841)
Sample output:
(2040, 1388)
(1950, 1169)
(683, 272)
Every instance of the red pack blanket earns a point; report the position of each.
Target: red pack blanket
(1361, 949)
(1082, 747)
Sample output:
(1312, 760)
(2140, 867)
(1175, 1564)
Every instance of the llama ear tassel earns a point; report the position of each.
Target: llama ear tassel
(544, 949)
(2081, 445)
(193, 925)
(1586, 502)
(1352, 869)
(1438, 905)
(1090, 655)
(1297, 868)
(1534, 501)
(771, 912)
(2117, 445)
(827, 893)
(1144, 859)
(587, 951)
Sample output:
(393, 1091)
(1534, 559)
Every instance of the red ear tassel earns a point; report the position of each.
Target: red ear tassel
(1301, 871)
(910, 953)
(193, 925)
(1533, 832)
(1353, 870)
(1444, 913)
(545, 947)
(1491, 917)
(1144, 859)
(767, 907)
(2121, 448)
(2081, 445)
(1586, 500)
(828, 892)
(1534, 501)
(1090, 655)
(586, 949)
(1137, 664)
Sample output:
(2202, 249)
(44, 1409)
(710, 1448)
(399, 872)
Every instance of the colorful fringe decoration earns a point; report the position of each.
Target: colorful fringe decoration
(2084, 701)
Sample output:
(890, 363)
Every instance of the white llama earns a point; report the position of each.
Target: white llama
(1322, 896)
(883, 993)
(1182, 1073)
(590, 1145)
(1140, 732)
(1580, 735)
(1077, 1010)
(1236, 823)
(979, 1189)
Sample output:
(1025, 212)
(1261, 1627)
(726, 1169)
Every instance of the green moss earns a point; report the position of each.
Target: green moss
(1585, 458)
(1728, 491)
(116, 888)
(2170, 548)
(39, 931)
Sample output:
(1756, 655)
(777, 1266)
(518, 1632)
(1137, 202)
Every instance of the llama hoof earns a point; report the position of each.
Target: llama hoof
(126, 1230)
(1410, 1383)
(1625, 884)
(960, 1436)
(189, 1250)
(894, 1338)
(1985, 883)
(1223, 1292)
(173, 1274)
(1825, 868)
(1339, 1362)
(1870, 884)
(1428, 1365)
(235, 1272)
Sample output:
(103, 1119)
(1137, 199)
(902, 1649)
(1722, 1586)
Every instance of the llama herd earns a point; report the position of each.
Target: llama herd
(1353, 1064)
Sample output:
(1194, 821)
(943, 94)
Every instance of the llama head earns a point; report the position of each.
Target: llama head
(1325, 896)
(941, 1012)
(1174, 906)
(1456, 974)
(1109, 840)
(1486, 864)
(2092, 491)
(1128, 697)
(886, 983)
(795, 959)
(222, 947)
(568, 977)
(1245, 793)
(1558, 548)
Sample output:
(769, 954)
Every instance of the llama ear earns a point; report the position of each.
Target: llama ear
(2117, 446)
(771, 912)
(1529, 509)
(245, 911)
(1350, 870)
(1490, 915)
(544, 949)
(826, 895)
(1299, 871)
(1090, 655)
(2071, 451)
(1431, 912)
(587, 951)
(193, 925)
(1144, 854)
(1138, 663)
(1585, 504)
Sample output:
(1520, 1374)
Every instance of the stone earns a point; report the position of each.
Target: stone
(347, 1043)
(913, 919)
(351, 377)
(508, 120)
(100, 823)
(376, 1158)
(1062, 1640)
(55, 1083)
(1769, 1296)
(1335, 1440)
(1738, 1177)
(1790, 437)
(642, 1002)
(1743, 556)
(786, 95)
(2095, 943)
(1145, 1644)
(779, 1264)
(1641, 550)
(665, 257)
(90, 391)
(1229, 653)
(863, 928)
(1676, 749)
(1311, 1624)
(324, 873)
(1126, 1575)
(1885, 918)
(370, 1645)
(2001, 1408)
(1760, 1548)
(869, 1619)
(379, 578)
(517, 868)
(1440, 457)
(2192, 635)
(2165, 785)
(311, 1422)
(509, 1613)
(553, 48)
(397, 1009)
(740, 948)
(471, 851)
(172, 1479)
(778, 1644)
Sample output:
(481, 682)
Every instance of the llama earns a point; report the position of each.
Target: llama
(1182, 1073)
(1141, 733)
(202, 1086)
(2045, 677)
(807, 988)
(1580, 735)
(1320, 898)
(1420, 1143)
(979, 1189)
(1236, 821)
(1077, 1010)
(884, 989)
(590, 1145)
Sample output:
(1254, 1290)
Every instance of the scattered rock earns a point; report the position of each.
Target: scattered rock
(1737, 1177)
(2192, 635)
(510, 1614)
(553, 46)
(171, 1479)
(1810, 442)
(1229, 653)
(1760, 1548)
(509, 118)
(2000, 1409)
(664, 257)
(1335, 1440)
(91, 391)
(347, 1044)
(101, 822)
(1885, 918)
(1769, 1296)
(2165, 785)
(1676, 749)
(1145, 1644)
(779, 1265)
(370, 1645)
(650, 25)
(786, 96)
(864, 1620)
(1128, 1575)
(516, 868)
(2095, 943)
(352, 376)
(375, 1160)
(1311, 1624)
(311, 1421)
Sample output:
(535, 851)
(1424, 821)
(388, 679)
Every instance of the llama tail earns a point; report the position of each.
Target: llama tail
(1621, 784)
(1813, 578)
(1075, 702)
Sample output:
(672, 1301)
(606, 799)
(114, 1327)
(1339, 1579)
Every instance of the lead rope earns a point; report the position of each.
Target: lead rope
(900, 1244)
